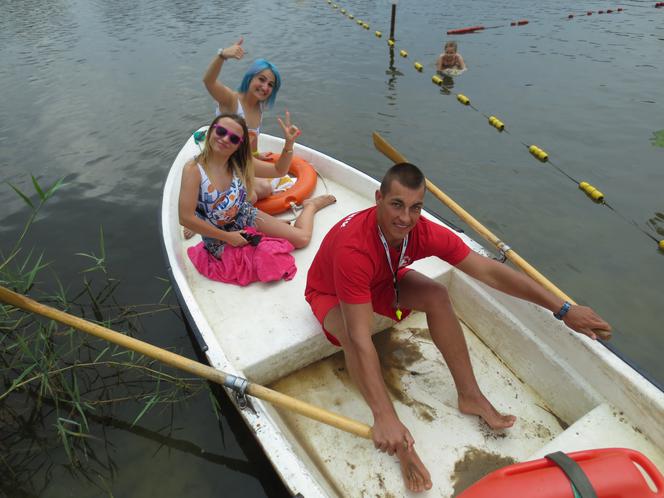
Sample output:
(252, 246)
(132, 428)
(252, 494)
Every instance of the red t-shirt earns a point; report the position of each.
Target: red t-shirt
(351, 260)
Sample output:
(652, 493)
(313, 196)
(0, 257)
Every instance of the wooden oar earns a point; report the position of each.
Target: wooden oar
(187, 365)
(386, 148)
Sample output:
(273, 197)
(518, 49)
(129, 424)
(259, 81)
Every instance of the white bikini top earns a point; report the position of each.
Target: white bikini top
(240, 112)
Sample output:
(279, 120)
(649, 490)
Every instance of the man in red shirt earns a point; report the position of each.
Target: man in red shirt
(360, 269)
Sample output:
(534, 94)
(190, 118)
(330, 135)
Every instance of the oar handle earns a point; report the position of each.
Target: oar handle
(386, 148)
(184, 364)
(310, 411)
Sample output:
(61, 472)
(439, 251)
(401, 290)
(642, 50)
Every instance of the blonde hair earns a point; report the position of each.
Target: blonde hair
(240, 162)
(452, 44)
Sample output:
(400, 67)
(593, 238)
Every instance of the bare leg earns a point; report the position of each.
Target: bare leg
(415, 475)
(421, 293)
(300, 234)
(262, 188)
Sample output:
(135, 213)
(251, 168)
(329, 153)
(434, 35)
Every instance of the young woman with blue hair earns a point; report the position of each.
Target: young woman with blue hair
(257, 91)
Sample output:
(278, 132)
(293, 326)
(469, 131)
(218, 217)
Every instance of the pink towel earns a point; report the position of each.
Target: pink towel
(268, 261)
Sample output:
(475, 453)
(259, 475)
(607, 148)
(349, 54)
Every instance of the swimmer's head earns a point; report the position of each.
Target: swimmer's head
(450, 47)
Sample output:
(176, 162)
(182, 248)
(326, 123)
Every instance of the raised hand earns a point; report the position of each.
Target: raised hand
(235, 51)
(291, 132)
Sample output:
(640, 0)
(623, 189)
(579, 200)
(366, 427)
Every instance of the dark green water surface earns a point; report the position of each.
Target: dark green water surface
(107, 92)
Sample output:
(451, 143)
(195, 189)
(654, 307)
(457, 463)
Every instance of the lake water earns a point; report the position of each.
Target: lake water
(106, 93)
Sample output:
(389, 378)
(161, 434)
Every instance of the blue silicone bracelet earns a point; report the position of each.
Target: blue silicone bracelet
(563, 311)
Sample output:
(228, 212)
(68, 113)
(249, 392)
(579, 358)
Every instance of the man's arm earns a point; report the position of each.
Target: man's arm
(499, 276)
(388, 433)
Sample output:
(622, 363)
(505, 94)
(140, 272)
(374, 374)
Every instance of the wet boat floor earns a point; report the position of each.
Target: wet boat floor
(457, 449)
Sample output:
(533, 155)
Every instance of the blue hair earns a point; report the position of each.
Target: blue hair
(258, 66)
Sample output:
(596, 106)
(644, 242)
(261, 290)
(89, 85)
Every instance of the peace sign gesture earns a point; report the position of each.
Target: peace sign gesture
(235, 51)
(291, 132)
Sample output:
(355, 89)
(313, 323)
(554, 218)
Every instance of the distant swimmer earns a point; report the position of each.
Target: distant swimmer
(450, 61)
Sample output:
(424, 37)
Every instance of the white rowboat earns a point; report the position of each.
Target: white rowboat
(568, 392)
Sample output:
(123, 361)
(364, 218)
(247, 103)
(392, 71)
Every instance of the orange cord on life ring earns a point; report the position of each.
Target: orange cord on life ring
(303, 188)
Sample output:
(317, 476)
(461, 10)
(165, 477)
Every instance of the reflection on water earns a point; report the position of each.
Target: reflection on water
(447, 84)
(657, 223)
(392, 72)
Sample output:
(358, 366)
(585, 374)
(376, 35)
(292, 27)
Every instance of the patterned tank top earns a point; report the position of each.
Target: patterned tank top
(228, 210)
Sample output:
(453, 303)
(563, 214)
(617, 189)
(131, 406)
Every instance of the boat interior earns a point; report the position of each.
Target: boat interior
(568, 392)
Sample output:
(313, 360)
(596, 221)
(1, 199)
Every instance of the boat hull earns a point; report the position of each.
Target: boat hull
(568, 392)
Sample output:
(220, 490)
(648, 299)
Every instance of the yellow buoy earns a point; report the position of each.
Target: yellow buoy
(661, 245)
(403, 53)
(418, 66)
(360, 22)
(597, 196)
(378, 34)
(390, 43)
(463, 99)
(592, 192)
(538, 153)
(496, 123)
(343, 11)
(351, 16)
(437, 80)
(365, 25)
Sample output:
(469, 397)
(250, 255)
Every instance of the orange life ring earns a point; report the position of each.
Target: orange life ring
(305, 185)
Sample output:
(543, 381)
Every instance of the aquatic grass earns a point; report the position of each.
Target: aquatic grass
(168, 290)
(43, 195)
(657, 138)
(100, 261)
(58, 386)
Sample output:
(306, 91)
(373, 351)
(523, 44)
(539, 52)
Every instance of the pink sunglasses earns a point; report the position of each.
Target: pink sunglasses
(222, 132)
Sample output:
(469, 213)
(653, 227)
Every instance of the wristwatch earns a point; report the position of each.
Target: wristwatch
(220, 53)
(563, 310)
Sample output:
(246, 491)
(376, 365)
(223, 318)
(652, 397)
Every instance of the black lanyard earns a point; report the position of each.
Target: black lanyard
(402, 257)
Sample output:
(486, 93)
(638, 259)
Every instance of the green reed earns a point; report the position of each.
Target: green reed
(59, 387)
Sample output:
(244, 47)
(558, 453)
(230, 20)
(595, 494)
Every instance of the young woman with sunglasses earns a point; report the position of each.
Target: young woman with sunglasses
(218, 183)
(257, 91)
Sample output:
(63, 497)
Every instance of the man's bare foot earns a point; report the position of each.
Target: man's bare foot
(187, 233)
(416, 477)
(484, 409)
(320, 202)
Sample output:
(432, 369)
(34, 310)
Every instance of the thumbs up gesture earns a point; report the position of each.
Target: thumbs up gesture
(235, 51)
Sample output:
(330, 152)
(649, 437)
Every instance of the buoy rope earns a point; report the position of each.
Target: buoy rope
(593, 193)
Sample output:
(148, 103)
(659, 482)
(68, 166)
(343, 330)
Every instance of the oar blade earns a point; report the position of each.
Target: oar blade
(384, 147)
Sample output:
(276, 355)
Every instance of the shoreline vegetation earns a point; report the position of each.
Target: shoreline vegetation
(60, 389)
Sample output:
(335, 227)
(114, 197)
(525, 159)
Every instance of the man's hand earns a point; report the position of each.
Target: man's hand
(584, 320)
(390, 435)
